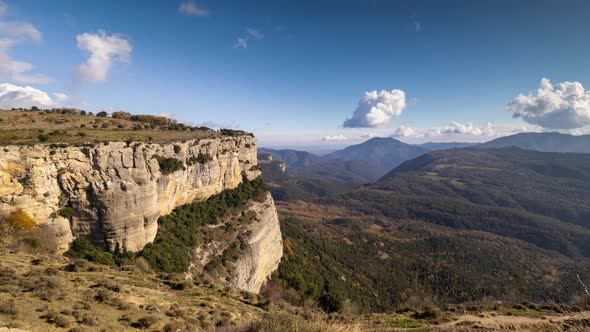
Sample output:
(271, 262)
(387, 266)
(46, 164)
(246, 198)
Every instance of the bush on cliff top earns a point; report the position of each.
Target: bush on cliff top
(178, 231)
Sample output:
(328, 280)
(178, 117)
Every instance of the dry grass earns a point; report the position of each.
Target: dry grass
(26, 127)
(44, 293)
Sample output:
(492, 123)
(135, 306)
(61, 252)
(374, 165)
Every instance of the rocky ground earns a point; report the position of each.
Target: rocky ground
(46, 292)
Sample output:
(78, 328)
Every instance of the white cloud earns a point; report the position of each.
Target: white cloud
(403, 131)
(23, 30)
(467, 129)
(167, 115)
(11, 34)
(255, 33)
(561, 106)
(241, 43)
(339, 137)
(104, 50)
(61, 97)
(376, 108)
(12, 96)
(191, 9)
(371, 135)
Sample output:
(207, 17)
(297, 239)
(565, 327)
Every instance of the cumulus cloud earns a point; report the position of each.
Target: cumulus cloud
(12, 34)
(457, 128)
(561, 106)
(403, 131)
(339, 137)
(103, 50)
(376, 108)
(191, 9)
(13, 96)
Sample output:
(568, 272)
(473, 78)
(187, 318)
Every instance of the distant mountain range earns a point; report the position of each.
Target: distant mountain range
(544, 142)
(384, 153)
(366, 162)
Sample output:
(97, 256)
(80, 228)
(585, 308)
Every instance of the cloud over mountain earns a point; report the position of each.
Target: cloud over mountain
(375, 109)
(403, 131)
(334, 138)
(561, 106)
(458, 128)
(104, 50)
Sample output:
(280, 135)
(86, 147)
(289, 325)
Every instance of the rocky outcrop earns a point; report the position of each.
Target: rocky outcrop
(117, 190)
(265, 248)
(244, 249)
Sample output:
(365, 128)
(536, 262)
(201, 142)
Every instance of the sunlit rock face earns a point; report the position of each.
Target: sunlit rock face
(117, 190)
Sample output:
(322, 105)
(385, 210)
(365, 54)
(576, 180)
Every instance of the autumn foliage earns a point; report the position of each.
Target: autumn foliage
(17, 221)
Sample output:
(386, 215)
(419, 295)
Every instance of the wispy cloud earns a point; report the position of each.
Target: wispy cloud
(240, 43)
(12, 34)
(418, 25)
(103, 50)
(251, 33)
(191, 9)
(255, 33)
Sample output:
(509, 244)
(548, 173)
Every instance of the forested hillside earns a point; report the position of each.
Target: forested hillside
(448, 227)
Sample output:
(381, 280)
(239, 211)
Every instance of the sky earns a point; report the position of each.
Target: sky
(308, 73)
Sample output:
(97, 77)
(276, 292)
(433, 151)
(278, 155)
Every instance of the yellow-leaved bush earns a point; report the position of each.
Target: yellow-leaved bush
(17, 221)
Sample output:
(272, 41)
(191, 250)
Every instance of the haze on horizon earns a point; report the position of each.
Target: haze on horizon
(308, 73)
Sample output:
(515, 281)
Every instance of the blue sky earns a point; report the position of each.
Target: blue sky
(307, 64)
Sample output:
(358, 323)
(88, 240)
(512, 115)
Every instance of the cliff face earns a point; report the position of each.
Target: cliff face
(265, 248)
(117, 191)
(245, 248)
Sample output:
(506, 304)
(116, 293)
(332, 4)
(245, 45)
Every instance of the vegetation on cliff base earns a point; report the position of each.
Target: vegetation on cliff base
(17, 221)
(178, 231)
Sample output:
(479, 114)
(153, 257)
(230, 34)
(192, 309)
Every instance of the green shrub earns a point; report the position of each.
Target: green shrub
(178, 231)
(33, 242)
(331, 302)
(66, 212)
(169, 165)
(177, 149)
(43, 137)
(83, 248)
(233, 132)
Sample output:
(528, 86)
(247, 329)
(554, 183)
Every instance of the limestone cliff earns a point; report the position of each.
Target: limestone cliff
(244, 249)
(117, 190)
